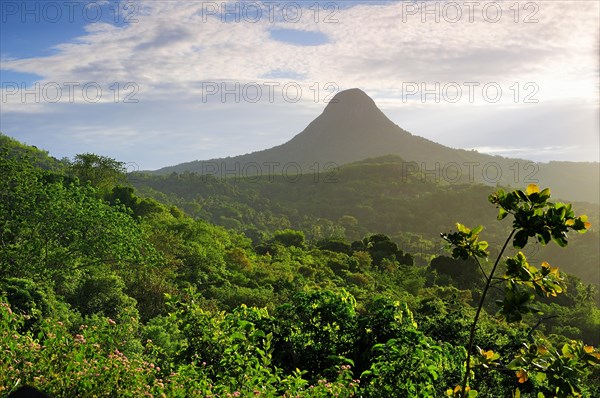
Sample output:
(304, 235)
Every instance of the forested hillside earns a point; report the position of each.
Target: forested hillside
(106, 291)
(373, 196)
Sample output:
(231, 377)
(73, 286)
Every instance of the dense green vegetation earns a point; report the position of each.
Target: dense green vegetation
(368, 197)
(106, 292)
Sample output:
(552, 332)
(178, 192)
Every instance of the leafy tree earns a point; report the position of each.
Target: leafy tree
(289, 237)
(533, 217)
(102, 172)
(316, 331)
(102, 293)
(334, 245)
(381, 248)
(13, 149)
(382, 320)
(464, 273)
(412, 365)
(34, 301)
(49, 225)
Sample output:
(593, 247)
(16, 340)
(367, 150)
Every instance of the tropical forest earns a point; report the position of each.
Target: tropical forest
(130, 284)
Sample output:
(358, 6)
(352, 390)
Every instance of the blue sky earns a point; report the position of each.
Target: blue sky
(157, 83)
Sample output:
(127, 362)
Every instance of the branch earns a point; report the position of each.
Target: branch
(480, 267)
(479, 307)
(539, 322)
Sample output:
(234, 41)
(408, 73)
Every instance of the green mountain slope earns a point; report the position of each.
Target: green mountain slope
(372, 196)
(12, 148)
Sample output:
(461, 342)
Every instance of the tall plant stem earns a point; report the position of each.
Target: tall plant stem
(479, 307)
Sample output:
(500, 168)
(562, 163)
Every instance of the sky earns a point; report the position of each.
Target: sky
(157, 83)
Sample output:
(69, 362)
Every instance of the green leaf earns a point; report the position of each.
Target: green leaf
(502, 214)
(544, 237)
(516, 363)
(520, 239)
(462, 228)
(559, 238)
(521, 195)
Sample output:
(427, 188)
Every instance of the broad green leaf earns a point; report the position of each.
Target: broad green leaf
(502, 214)
(540, 377)
(544, 237)
(520, 239)
(462, 228)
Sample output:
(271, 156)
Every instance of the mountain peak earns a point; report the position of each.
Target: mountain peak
(351, 101)
(351, 127)
(352, 93)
